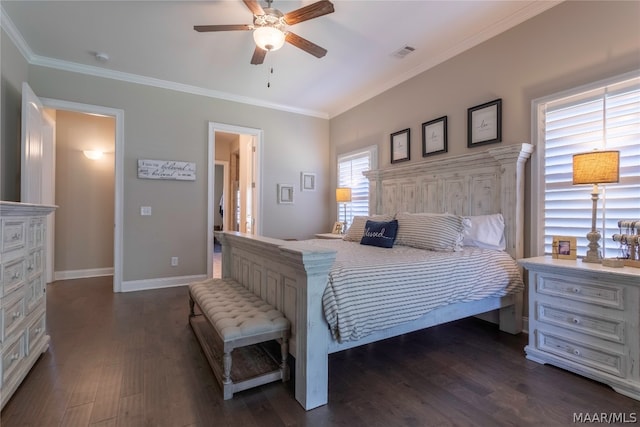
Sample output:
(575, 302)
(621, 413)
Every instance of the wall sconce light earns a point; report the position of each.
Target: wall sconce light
(93, 154)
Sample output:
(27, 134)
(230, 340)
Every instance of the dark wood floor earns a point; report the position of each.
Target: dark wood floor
(131, 359)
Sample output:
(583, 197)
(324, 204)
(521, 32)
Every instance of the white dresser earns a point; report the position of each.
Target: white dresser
(22, 292)
(584, 317)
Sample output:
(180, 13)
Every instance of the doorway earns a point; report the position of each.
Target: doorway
(239, 149)
(117, 154)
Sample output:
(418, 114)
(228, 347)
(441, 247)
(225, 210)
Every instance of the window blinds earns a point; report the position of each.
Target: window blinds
(350, 169)
(604, 118)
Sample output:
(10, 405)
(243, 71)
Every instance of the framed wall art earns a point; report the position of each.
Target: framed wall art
(285, 194)
(307, 181)
(401, 146)
(484, 123)
(434, 136)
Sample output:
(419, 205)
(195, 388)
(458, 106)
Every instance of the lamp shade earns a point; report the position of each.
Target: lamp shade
(596, 167)
(343, 195)
(268, 38)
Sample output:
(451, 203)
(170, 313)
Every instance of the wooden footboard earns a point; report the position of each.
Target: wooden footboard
(292, 277)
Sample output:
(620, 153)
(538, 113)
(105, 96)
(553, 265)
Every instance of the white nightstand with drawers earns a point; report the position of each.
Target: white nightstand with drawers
(584, 317)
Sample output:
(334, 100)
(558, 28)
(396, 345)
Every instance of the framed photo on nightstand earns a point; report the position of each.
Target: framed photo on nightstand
(564, 247)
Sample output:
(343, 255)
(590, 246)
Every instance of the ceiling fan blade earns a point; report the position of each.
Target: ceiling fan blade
(311, 11)
(254, 7)
(258, 56)
(238, 27)
(305, 45)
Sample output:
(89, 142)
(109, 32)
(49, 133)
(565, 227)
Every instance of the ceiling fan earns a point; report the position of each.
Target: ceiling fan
(270, 28)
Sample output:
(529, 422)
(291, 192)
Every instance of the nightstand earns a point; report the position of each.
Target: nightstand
(584, 318)
(329, 236)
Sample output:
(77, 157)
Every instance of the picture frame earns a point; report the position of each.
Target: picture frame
(285, 194)
(434, 137)
(564, 247)
(401, 146)
(338, 228)
(307, 181)
(484, 123)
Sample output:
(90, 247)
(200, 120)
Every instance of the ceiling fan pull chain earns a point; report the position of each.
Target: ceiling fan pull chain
(269, 77)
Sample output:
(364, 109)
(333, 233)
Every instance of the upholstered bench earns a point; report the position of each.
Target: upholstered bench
(226, 317)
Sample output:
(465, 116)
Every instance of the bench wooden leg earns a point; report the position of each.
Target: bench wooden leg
(226, 375)
(191, 305)
(284, 349)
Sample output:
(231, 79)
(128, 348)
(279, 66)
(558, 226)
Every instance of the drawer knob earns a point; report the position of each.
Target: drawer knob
(576, 290)
(576, 352)
(38, 330)
(30, 268)
(15, 356)
(16, 236)
(15, 276)
(576, 320)
(16, 314)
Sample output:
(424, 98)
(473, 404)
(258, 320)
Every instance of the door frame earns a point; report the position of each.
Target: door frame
(225, 184)
(257, 178)
(118, 114)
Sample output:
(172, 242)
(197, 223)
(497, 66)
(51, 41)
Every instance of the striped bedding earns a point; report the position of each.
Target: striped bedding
(371, 288)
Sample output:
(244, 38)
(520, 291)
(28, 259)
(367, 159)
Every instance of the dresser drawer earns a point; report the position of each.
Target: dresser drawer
(14, 234)
(34, 263)
(35, 332)
(593, 292)
(11, 358)
(36, 233)
(34, 293)
(12, 275)
(604, 359)
(599, 326)
(13, 312)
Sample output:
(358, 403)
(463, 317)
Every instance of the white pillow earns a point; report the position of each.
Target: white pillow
(436, 232)
(487, 231)
(356, 230)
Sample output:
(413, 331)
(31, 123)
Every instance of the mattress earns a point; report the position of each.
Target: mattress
(371, 288)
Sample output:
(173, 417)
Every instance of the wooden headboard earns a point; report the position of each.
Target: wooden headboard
(479, 183)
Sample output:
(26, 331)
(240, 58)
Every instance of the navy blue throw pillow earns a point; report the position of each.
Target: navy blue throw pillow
(382, 234)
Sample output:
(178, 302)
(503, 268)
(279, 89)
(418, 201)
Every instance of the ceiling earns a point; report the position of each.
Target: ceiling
(153, 42)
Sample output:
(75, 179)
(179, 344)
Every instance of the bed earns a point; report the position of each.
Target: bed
(294, 276)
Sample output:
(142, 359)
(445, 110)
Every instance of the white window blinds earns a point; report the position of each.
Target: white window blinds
(606, 117)
(350, 169)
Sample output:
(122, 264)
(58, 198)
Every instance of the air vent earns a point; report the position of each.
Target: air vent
(401, 53)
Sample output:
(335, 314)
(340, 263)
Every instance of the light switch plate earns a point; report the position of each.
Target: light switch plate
(145, 210)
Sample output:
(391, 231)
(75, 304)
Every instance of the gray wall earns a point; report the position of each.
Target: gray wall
(15, 70)
(164, 124)
(571, 44)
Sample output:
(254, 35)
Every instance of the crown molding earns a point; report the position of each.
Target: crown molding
(43, 61)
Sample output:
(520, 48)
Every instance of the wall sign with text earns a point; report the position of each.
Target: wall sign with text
(166, 169)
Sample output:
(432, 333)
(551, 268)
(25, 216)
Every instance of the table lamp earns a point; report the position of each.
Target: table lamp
(595, 167)
(343, 195)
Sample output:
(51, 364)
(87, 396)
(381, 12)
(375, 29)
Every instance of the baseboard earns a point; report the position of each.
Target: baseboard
(82, 274)
(165, 282)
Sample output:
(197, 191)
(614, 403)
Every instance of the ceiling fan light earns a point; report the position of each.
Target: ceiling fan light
(268, 38)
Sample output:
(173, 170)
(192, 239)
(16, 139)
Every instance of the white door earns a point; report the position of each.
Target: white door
(37, 175)
(32, 147)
